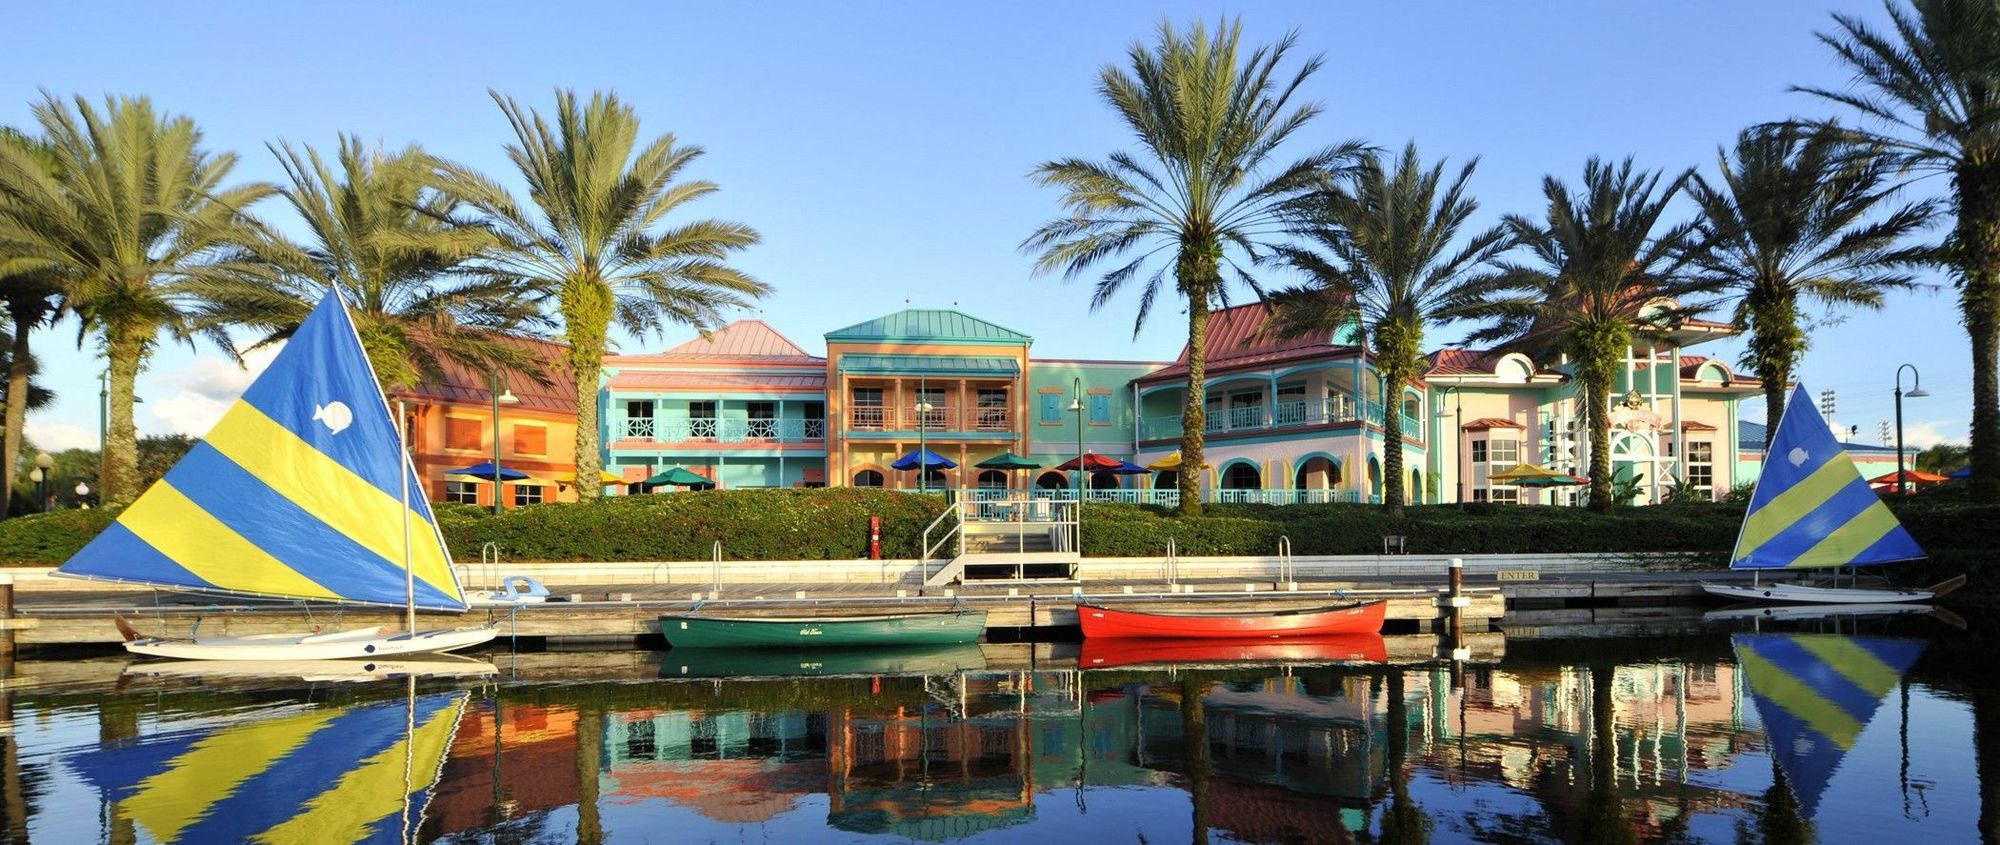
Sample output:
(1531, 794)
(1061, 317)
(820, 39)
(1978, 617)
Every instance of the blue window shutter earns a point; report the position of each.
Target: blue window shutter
(1051, 407)
(1100, 408)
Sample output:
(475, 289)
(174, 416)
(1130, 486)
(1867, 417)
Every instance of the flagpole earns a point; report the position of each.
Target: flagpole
(409, 566)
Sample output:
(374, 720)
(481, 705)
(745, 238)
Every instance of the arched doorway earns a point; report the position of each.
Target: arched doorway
(936, 480)
(1375, 477)
(1103, 481)
(992, 479)
(1242, 475)
(1052, 480)
(1416, 492)
(1168, 480)
(868, 478)
(1317, 473)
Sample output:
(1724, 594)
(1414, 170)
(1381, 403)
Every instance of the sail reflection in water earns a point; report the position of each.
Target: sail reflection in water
(1815, 694)
(324, 775)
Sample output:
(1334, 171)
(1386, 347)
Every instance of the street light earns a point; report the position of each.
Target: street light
(43, 464)
(1076, 407)
(82, 490)
(923, 425)
(1457, 437)
(499, 398)
(1917, 391)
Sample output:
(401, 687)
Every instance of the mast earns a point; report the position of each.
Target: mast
(409, 563)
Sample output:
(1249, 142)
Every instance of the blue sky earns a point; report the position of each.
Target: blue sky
(882, 149)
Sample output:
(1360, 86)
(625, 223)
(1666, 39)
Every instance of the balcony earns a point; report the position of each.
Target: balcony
(1283, 415)
(760, 430)
(941, 418)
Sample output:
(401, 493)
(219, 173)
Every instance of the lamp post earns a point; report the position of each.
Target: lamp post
(1076, 407)
(499, 398)
(1916, 392)
(1457, 437)
(82, 490)
(44, 464)
(923, 444)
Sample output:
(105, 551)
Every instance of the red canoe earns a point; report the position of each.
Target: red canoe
(1124, 651)
(1360, 618)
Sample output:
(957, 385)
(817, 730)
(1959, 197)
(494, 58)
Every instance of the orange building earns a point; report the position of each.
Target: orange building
(452, 426)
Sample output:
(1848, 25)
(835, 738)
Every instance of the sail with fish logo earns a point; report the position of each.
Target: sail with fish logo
(1812, 507)
(298, 492)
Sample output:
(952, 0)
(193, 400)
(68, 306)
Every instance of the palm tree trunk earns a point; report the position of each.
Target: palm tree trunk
(1775, 343)
(1194, 416)
(1979, 300)
(1594, 376)
(118, 475)
(17, 403)
(1392, 440)
(586, 309)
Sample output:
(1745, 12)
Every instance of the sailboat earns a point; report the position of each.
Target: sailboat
(326, 774)
(1815, 694)
(1812, 509)
(301, 491)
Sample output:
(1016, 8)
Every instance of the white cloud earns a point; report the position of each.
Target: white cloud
(1923, 435)
(196, 396)
(50, 436)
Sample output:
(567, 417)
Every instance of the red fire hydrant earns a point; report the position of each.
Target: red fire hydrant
(874, 538)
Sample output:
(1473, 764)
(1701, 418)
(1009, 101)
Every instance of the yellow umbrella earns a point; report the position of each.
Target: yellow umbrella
(1525, 472)
(487, 479)
(602, 476)
(1170, 463)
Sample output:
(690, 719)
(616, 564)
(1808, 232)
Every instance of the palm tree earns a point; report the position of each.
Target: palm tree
(1600, 275)
(134, 215)
(596, 248)
(394, 242)
(1794, 216)
(1207, 191)
(1933, 88)
(1386, 253)
(32, 298)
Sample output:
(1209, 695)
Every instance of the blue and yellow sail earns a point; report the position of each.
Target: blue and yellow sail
(297, 493)
(1815, 693)
(327, 775)
(1812, 508)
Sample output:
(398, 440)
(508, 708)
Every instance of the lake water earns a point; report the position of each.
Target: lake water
(1867, 731)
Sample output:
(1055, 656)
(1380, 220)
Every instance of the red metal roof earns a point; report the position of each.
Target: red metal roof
(1237, 339)
(747, 341)
(1462, 362)
(467, 385)
(1485, 423)
(719, 381)
(1696, 425)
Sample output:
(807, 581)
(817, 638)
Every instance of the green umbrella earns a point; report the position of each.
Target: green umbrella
(1007, 460)
(678, 477)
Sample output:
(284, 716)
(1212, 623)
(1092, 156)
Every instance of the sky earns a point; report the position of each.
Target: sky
(883, 149)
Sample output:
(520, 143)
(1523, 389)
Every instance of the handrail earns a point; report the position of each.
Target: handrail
(717, 590)
(1173, 564)
(1285, 567)
(489, 570)
(957, 509)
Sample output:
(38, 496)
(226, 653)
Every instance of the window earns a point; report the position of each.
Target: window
(527, 494)
(1479, 451)
(992, 413)
(1509, 495)
(461, 492)
(1701, 464)
(1100, 409)
(868, 412)
(867, 478)
(763, 420)
(1241, 476)
(932, 419)
(701, 419)
(992, 479)
(1505, 452)
(530, 440)
(639, 418)
(1052, 408)
(462, 433)
(815, 414)
(1479, 494)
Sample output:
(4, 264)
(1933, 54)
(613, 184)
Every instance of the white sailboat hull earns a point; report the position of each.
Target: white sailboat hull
(340, 645)
(427, 666)
(1800, 594)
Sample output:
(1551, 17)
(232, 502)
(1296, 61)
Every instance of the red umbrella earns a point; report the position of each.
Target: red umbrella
(1093, 462)
(1910, 476)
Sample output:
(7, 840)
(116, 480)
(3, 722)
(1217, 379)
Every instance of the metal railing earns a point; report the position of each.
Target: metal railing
(1287, 573)
(938, 418)
(1164, 497)
(754, 430)
(1333, 409)
(956, 530)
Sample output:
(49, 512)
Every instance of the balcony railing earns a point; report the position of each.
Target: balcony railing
(1169, 497)
(758, 430)
(938, 418)
(1335, 409)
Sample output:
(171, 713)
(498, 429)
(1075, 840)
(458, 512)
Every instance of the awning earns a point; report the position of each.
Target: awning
(930, 365)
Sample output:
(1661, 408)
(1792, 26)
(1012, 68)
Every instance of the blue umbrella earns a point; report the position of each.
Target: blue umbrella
(1129, 468)
(1962, 472)
(484, 472)
(930, 459)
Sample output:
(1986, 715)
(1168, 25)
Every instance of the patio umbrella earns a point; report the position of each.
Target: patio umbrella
(1170, 463)
(1093, 462)
(1129, 468)
(1007, 460)
(1522, 473)
(484, 472)
(1911, 476)
(1560, 480)
(602, 476)
(930, 460)
(1962, 472)
(678, 477)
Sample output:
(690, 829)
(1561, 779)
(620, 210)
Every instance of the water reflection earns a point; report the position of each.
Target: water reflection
(1772, 737)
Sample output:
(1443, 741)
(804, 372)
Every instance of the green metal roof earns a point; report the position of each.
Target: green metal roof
(929, 365)
(928, 326)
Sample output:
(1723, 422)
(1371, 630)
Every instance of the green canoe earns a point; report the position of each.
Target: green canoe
(821, 662)
(700, 631)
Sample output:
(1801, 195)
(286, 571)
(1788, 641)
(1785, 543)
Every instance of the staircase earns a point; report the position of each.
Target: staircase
(1003, 542)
